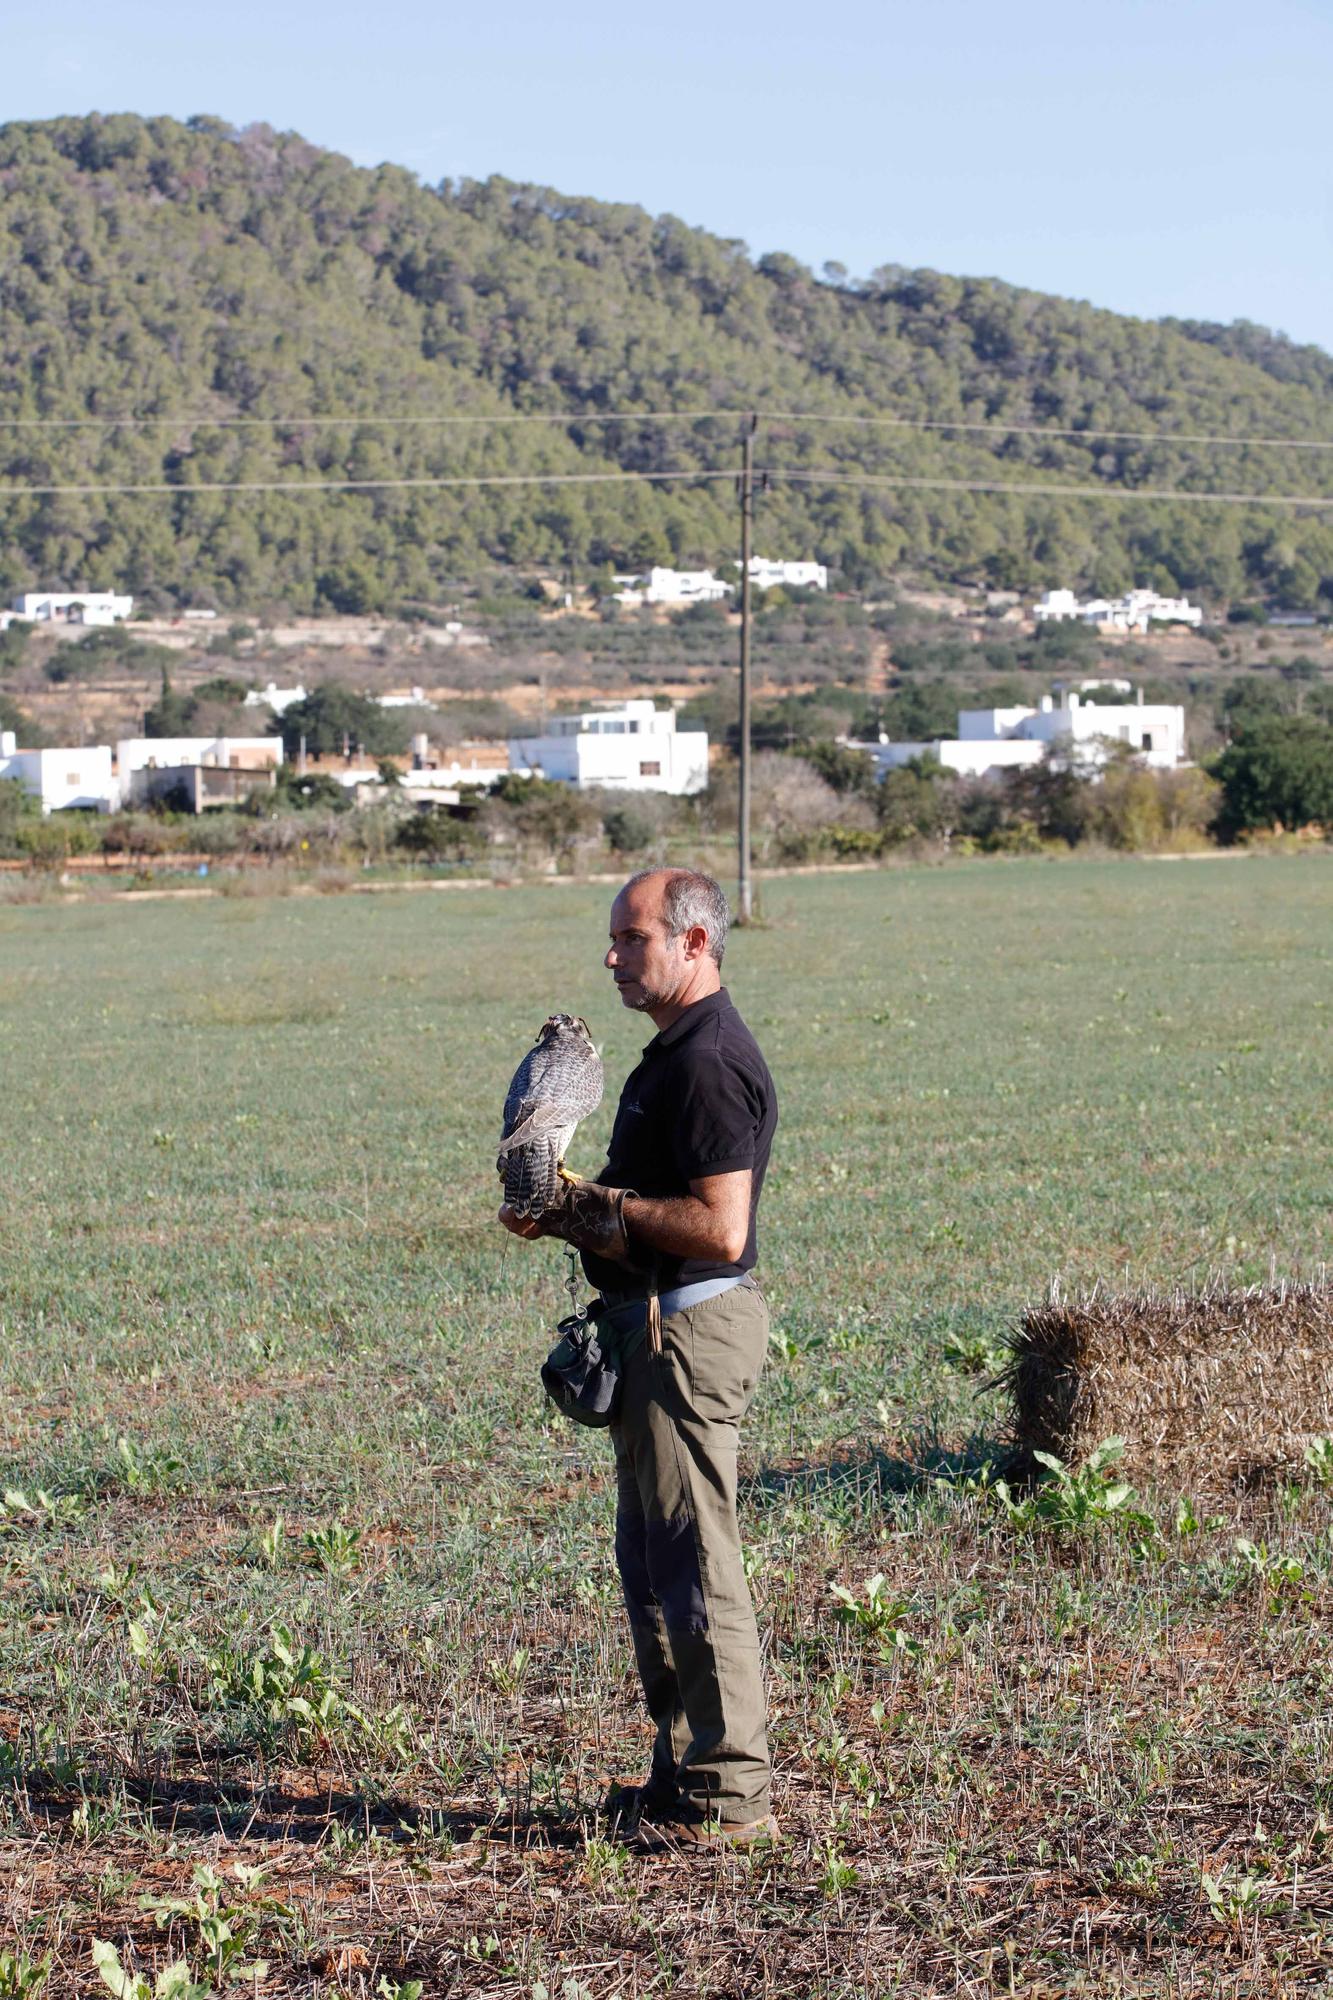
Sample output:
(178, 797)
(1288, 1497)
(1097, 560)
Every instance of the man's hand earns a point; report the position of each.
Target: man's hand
(521, 1225)
(586, 1214)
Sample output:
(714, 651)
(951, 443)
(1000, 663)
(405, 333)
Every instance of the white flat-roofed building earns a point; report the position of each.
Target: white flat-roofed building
(766, 574)
(73, 607)
(685, 586)
(1154, 731)
(986, 725)
(636, 747)
(62, 778)
(414, 698)
(1056, 607)
(443, 774)
(138, 758)
(279, 700)
(672, 586)
(1136, 611)
(966, 759)
(447, 781)
(999, 739)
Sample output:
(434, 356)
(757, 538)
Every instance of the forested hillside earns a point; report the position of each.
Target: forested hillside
(194, 273)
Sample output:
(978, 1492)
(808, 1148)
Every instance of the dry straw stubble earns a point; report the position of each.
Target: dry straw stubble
(1213, 1389)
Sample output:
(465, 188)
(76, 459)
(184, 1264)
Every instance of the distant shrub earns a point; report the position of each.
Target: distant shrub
(143, 834)
(1277, 773)
(855, 842)
(297, 791)
(637, 821)
(18, 809)
(15, 641)
(57, 838)
(434, 834)
(223, 688)
(103, 647)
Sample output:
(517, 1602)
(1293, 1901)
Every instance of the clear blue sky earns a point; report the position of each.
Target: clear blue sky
(1164, 158)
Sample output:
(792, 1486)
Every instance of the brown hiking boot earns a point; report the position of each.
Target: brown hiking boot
(672, 1831)
(625, 1805)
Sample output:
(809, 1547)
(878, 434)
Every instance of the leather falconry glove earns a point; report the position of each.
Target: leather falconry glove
(592, 1218)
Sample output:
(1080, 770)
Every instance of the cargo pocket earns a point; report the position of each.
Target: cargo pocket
(722, 1348)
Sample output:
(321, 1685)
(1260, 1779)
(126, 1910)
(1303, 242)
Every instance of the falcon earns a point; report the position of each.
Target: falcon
(558, 1082)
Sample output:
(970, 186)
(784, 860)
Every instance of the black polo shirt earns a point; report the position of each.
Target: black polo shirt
(700, 1102)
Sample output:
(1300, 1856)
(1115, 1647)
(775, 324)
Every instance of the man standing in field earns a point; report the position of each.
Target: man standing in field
(677, 1199)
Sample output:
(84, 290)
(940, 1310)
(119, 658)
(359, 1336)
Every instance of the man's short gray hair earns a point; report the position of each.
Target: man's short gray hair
(690, 898)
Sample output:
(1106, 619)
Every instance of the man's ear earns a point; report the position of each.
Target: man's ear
(696, 941)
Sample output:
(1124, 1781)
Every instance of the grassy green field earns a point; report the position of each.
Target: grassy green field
(299, 1575)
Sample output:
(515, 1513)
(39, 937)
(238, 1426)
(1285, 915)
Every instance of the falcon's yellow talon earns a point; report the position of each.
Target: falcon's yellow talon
(572, 1180)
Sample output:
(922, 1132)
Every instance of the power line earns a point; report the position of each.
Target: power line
(821, 475)
(893, 479)
(1089, 436)
(569, 419)
(317, 422)
(371, 485)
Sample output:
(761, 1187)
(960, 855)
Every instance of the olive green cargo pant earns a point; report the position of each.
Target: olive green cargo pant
(678, 1550)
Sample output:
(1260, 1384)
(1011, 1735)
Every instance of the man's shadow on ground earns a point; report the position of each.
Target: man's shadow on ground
(237, 1809)
(868, 1474)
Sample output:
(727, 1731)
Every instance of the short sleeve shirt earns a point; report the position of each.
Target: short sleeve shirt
(700, 1102)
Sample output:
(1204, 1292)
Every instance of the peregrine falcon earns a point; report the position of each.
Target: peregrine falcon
(558, 1082)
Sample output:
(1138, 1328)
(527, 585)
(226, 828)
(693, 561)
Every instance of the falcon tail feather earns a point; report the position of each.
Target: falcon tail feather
(532, 1177)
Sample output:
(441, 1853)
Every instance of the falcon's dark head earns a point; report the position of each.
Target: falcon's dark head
(564, 1024)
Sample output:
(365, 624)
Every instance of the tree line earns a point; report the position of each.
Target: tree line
(190, 271)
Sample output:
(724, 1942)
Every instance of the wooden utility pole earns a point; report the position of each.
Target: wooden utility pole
(744, 890)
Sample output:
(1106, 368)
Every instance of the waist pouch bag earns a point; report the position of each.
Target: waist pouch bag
(581, 1374)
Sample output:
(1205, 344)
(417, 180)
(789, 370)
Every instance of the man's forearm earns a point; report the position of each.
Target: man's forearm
(711, 1222)
(682, 1226)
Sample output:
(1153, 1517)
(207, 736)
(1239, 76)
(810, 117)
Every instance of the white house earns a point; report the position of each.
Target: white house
(1134, 612)
(768, 575)
(965, 759)
(1139, 609)
(999, 739)
(633, 748)
(74, 607)
(673, 586)
(443, 774)
(1056, 607)
(414, 698)
(1154, 731)
(61, 778)
(139, 758)
(279, 700)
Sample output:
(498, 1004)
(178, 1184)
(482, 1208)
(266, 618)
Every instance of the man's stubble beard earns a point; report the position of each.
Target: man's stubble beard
(649, 997)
